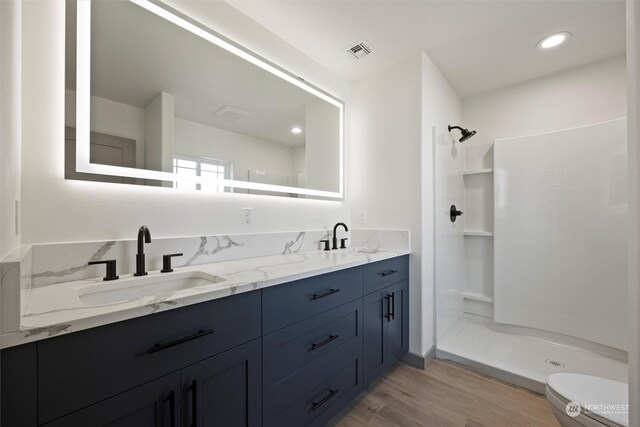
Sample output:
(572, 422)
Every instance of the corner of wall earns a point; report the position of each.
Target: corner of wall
(10, 124)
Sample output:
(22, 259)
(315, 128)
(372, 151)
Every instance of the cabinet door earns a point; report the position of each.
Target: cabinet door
(155, 404)
(20, 386)
(375, 335)
(398, 324)
(225, 390)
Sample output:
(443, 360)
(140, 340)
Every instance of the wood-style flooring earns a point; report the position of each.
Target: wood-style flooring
(445, 394)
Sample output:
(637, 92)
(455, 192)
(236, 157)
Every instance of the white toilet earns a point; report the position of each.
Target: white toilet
(602, 402)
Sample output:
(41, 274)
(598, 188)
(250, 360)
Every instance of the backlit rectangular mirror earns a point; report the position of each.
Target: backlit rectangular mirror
(156, 98)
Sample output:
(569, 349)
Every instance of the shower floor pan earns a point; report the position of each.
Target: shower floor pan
(521, 359)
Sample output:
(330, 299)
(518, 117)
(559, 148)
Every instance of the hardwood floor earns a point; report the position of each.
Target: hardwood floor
(445, 394)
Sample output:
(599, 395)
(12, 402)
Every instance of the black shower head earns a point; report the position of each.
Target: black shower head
(466, 134)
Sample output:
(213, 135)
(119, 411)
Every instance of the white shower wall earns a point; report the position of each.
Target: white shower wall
(450, 250)
(560, 232)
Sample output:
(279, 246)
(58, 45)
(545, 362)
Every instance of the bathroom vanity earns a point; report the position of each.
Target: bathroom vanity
(290, 354)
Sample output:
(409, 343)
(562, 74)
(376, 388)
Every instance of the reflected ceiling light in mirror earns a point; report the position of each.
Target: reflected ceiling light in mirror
(296, 130)
(553, 40)
(83, 97)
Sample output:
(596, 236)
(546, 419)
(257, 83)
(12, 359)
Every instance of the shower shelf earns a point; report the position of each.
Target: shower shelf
(479, 233)
(477, 171)
(478, 297)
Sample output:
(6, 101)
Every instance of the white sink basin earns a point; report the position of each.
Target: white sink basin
(155, 284)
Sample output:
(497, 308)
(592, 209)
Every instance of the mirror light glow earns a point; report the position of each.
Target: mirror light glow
(83, 96)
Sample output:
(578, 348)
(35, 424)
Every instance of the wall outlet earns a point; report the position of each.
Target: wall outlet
(247, 216)
(362, 217)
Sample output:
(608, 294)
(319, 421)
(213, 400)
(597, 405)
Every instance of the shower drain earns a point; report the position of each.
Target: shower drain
(554, 363)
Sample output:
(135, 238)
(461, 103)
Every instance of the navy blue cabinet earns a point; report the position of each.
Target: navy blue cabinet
(289, 355)
(386, 316)
(398, 321)
(155, 404)
(314, 401)
(292, 302)
(224, 390)
(77, 370)
(297, 352)
(375, 335)
(20, 386)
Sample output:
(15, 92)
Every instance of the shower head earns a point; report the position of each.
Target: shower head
(466, 134)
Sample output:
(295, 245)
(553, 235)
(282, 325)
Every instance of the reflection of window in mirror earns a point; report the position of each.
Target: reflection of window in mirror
(210, 169)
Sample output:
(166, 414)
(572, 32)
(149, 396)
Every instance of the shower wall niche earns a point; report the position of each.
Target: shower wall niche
(478, 229)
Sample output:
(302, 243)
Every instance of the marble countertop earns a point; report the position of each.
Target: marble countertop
(58, 308)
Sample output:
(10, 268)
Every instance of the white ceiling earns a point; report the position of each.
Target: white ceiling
(479, 45)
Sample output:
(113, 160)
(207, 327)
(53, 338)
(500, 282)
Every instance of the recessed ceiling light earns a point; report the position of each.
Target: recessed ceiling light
(296, 130)
(553, 40)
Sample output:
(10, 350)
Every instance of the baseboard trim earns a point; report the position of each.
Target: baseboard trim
(419, 361)
(502, 375)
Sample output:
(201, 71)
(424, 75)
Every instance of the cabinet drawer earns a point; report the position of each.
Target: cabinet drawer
(79, 369)
(298, 349)
(321, 397)
(381, 274)
(155, 404)
(289, 303)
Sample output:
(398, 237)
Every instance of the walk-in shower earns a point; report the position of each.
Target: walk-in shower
(532, 280)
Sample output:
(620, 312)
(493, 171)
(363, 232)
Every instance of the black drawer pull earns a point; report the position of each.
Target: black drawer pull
(198, 334)
(321, 343)
(172, 408)
(326, 294)
(388, 273)
(194, 403)
(392, 313)
(387, 299)
(324, 399)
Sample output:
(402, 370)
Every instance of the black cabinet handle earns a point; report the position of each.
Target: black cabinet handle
(324, 399)
(392, 313)
(326, 294)
(321, 343)
(387, 299)
(388, 273)
(194, 403)
(200, 333)
(172, 408)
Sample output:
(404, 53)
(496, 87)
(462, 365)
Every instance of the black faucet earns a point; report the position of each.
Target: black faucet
(143, 233)
(335, 239)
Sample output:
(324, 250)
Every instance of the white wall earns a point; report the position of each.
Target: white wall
(392, 176)
(633, 140)
(442, 164)
(246, 152)
(55, 209)
(581, 96)
(10, 112)
(385, 173)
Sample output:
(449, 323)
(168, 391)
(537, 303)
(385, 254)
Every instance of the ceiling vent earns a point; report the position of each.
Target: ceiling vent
(231, 113)
(359, 50)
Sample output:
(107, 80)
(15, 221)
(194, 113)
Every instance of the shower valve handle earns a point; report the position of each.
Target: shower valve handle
(454, 213)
